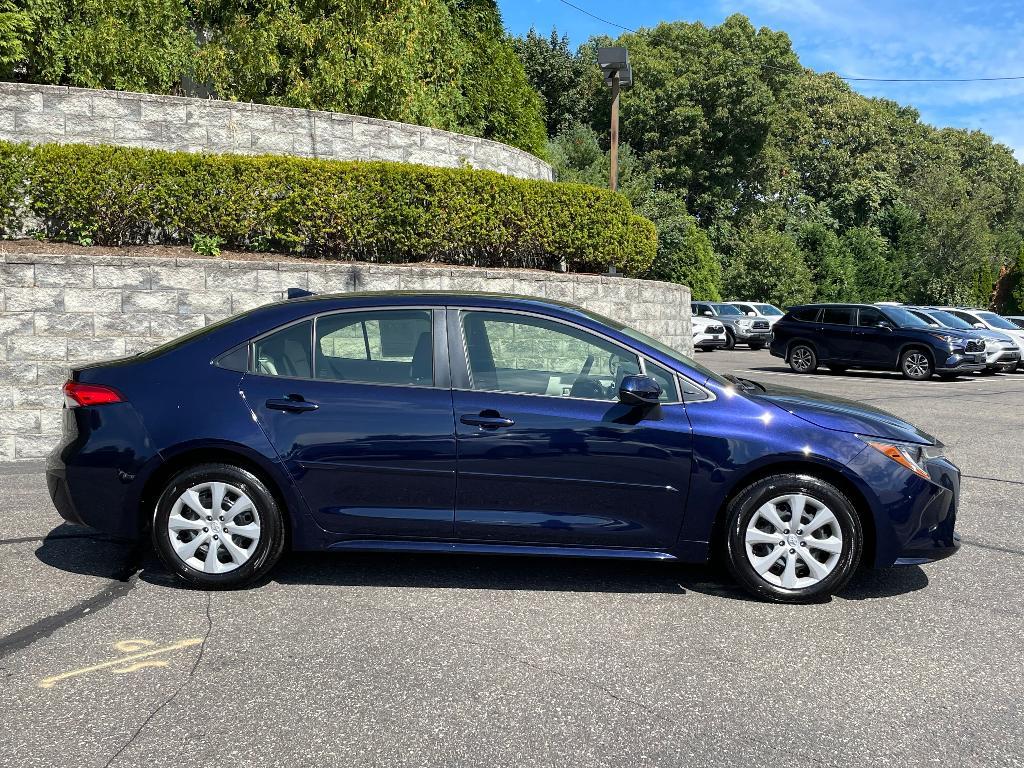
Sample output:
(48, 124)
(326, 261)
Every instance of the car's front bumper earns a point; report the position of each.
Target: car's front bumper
(960, 362)
(709, 342)
(1003, 360)
(758, 335)
(914, 517)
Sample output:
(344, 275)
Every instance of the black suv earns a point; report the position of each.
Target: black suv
(883, 338)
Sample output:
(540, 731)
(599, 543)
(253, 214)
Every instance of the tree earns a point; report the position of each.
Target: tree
(766, 265)
(431, 62)
(684, 251)
(566, 82)
(15, 30)
(134, 45)
(833, 271)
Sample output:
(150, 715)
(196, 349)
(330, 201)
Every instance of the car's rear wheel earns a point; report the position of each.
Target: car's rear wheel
(218, 526)
(802, 358)
(793, 538)
(916, 365)
(730, 340)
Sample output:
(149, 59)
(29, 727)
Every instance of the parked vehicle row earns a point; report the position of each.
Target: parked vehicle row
(474, 423)
(744, 322)
(919, 342)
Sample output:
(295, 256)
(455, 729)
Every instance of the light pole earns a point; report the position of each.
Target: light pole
(614, 63)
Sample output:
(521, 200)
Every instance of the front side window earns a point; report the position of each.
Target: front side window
(391, 346)
(869, 318)
(769, 310)
(285, 352)
(666, 379)
(527, 355)
(727, 309)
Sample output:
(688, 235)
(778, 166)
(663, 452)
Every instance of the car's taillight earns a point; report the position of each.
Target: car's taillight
(76, 394)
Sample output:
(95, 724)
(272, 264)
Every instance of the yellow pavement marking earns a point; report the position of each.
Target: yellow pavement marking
(130, 663)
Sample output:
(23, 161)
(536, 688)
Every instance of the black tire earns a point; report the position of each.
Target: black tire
(802, 358)
(730, 340)
(838, 369)
(916, 365)
(268, 547)
(746, 504)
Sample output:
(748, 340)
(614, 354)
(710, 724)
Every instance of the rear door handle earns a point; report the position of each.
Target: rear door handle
(486, 420)
(291, 404)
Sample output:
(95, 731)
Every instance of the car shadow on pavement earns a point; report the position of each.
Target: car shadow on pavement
(80, 551)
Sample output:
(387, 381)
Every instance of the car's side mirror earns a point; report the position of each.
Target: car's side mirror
(707, 313)
(639, 390)
(751, 314)
(980, 326)
(884, 326)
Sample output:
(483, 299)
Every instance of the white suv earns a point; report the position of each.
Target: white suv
(983, 320)
(708, 333)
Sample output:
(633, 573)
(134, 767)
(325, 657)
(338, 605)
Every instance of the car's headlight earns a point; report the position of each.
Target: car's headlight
(912, 456)
(949, 341)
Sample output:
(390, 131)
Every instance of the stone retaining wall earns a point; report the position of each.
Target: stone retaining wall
(56, 310)
(49, 113)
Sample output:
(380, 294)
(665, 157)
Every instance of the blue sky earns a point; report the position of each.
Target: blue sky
(871, 38)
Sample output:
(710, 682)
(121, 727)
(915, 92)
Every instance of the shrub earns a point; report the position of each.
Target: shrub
(377, 211)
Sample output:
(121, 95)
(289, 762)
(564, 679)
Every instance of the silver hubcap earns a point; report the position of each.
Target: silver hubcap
(916, 364)
(214, 527)
(801, 358)
(793, 541)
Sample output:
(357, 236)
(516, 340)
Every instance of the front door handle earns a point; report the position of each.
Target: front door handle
(292, 404)
(486, 420)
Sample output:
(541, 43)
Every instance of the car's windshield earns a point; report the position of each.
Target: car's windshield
(947, 320)
(768, 310)
(904, 318)
(727, 309)
(997, 321)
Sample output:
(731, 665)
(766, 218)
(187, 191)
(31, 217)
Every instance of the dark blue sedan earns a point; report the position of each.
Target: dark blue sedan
(485, 424)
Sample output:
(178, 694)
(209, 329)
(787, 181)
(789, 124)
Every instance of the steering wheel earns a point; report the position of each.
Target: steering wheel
(587, 365)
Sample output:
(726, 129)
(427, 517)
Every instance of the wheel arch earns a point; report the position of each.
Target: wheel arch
(241, 456)
(821, 471)
(928, 351)
(803, 340)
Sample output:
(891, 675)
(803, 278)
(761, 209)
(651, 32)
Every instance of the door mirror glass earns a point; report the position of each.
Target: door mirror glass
(639, 390)
(980, 326)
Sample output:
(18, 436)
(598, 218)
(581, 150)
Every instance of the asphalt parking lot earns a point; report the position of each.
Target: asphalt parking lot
(432, 660)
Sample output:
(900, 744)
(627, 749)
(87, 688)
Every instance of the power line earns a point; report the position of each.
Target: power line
(588, 13)
(848, 78)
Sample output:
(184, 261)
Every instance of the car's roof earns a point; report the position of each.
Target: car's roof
(442, 298)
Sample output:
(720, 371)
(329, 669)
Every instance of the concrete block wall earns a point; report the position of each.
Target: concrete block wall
(56, 310)
(49, 113)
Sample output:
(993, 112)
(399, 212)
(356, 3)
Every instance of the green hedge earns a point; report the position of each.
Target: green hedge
(375, 211)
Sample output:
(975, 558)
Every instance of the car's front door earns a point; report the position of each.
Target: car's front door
(546, 453)
(358, 406)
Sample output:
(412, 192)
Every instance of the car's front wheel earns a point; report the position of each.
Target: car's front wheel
(793, 538)
(915, 365)
(218, 526)
(730, 339)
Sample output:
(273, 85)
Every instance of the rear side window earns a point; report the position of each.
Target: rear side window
(285, 352)
(376, 347)
(806, 314)
(838, 315)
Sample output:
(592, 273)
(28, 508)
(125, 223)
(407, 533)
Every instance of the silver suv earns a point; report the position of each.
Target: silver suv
(755, 332)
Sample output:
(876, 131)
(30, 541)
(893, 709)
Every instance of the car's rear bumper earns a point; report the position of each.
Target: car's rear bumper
(93, 473)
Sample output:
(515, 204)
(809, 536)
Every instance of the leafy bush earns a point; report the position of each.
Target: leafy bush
(768, 266)
(376, 211)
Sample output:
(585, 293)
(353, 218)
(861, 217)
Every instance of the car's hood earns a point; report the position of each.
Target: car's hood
(840, 414)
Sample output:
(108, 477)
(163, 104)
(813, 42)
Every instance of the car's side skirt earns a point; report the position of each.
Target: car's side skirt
(483, 548)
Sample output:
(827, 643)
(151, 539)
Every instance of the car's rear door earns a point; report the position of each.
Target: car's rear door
(836, 334)
(874, 341)
(546, 453)
(358, 406)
